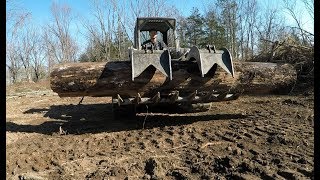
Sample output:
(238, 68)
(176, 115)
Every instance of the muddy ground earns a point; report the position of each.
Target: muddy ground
(266, 137)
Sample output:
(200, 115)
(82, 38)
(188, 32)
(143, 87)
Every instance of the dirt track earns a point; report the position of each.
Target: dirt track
(268, 137)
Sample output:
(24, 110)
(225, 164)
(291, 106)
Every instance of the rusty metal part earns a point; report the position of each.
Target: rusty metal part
(175, 98)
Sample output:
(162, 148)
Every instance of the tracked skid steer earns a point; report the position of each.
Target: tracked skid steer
(201, 61)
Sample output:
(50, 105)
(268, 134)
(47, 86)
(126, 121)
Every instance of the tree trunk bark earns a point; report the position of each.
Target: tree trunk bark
(112, 78)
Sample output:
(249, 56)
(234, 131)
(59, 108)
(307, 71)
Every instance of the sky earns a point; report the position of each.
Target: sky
(40, 9)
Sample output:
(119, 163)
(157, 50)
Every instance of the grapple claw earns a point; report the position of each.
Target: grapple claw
(207, 58)
(141, 60)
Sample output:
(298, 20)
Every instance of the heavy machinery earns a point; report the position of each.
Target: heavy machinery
(174, 75)
(162, 60)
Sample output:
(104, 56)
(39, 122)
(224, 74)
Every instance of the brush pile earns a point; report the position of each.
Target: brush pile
(292, 52)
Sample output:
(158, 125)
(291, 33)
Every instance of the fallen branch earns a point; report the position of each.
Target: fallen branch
(211, 143)
(177, 147)
(285, 43)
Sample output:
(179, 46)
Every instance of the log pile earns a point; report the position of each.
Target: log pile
(112, 78)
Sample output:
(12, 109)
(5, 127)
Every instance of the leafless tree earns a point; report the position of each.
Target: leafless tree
(49, 48)
(98, 32)
(290, 6)
(271, 28)
(267, 25)
(59, 40)
(38, 57)
(251, 23)
(228, 16)
(15, 21)
(247, 19)
(26, 45)
(13, 64)
(309, 5)
(15, 15)
(121, 32)
(110, 31)
(241, 28)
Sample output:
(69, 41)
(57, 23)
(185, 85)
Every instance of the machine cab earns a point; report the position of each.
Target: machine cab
(164, 26)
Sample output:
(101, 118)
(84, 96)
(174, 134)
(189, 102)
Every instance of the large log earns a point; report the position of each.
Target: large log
(111, 78)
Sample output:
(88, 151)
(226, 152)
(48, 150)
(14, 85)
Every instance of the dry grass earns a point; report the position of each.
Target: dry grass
(21, 87)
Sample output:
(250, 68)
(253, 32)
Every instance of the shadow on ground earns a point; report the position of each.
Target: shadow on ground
(96, 118)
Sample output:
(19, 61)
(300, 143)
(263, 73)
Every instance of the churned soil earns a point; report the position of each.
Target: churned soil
(253, 137)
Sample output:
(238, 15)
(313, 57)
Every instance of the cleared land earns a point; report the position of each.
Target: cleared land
(266, 137)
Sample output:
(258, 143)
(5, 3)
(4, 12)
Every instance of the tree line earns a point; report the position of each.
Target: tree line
(245, 27)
